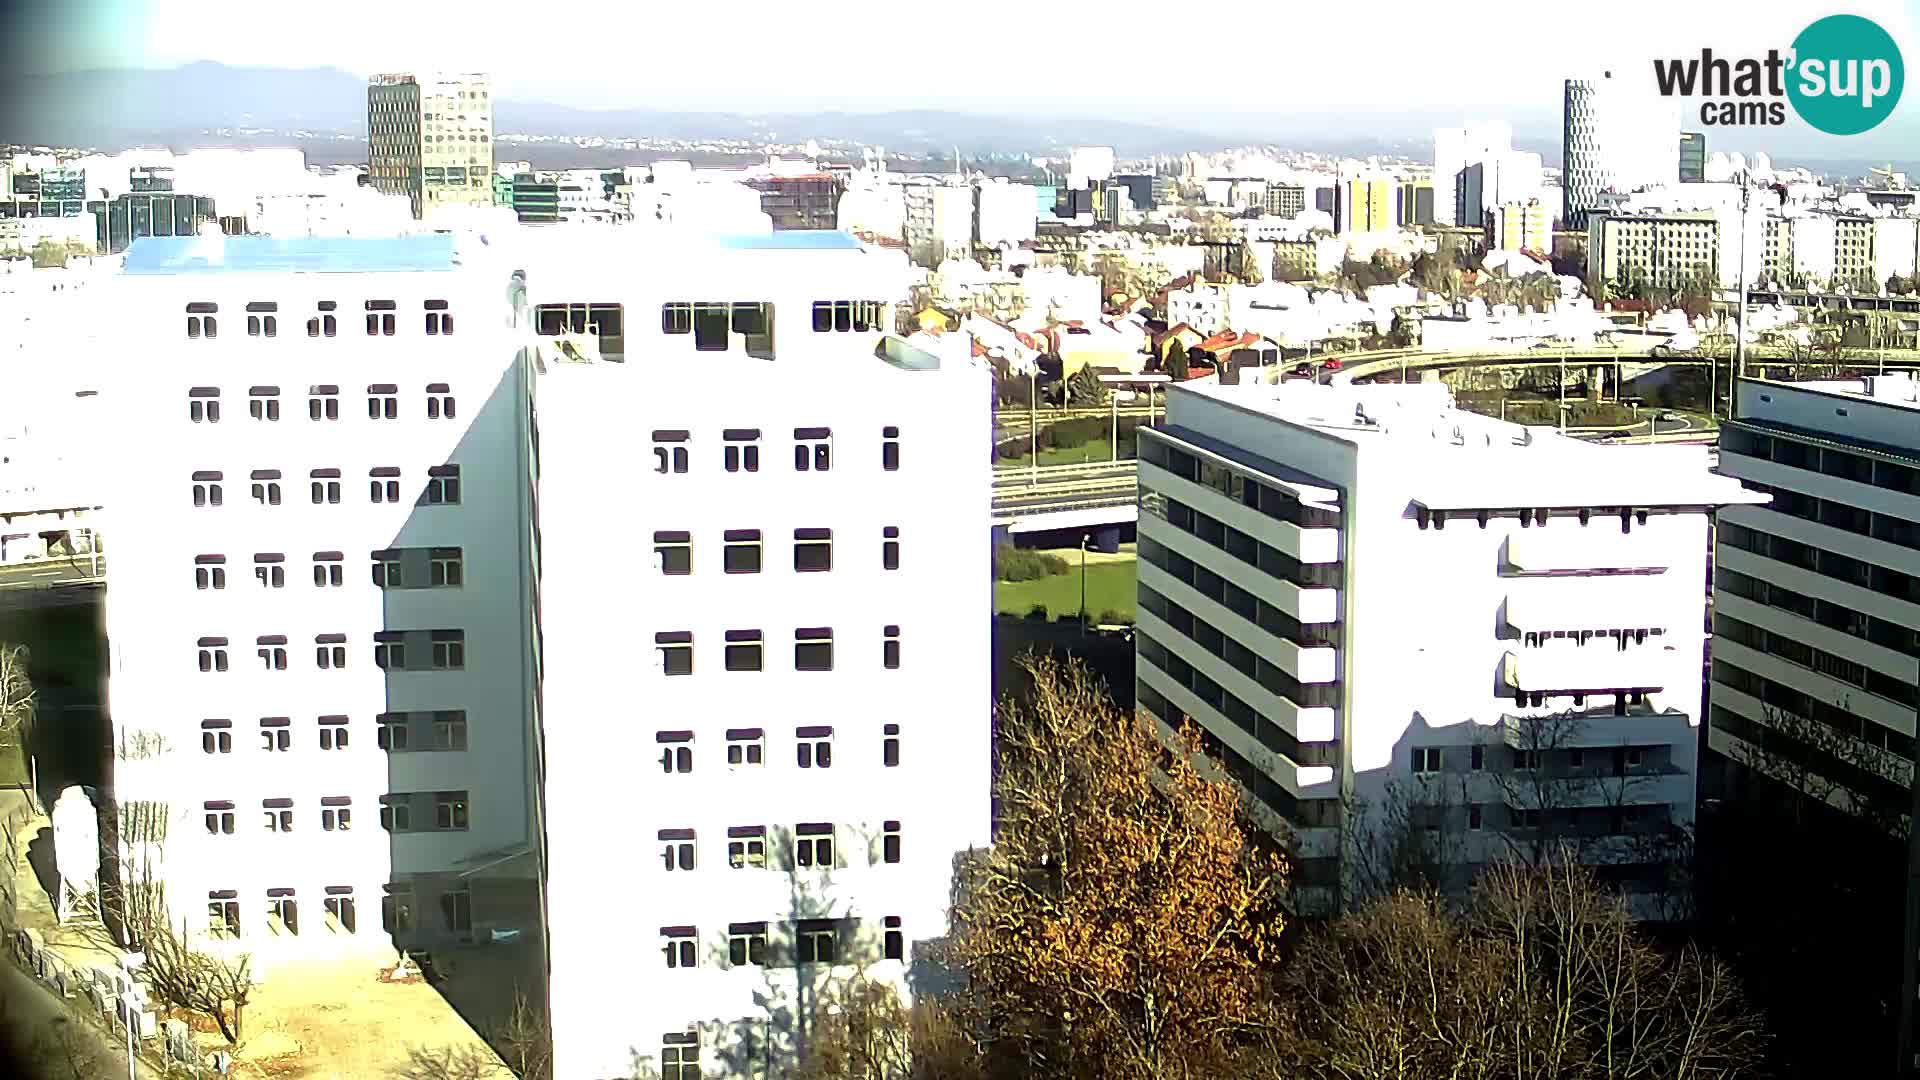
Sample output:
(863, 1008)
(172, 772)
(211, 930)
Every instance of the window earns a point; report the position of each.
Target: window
(380, 318)
(1474, 817)
(216, 736)
(746, 944)
(681, 948)
(1426, 759)
(1525, 819)
(813, 846)
(269, 570)
(676, 318)
(219, 818)
(890, 842)
(893, 940)
(890, 548)
(383, 402)
(439, 319)
(439, 401)
(336, 813)
(326, 486)
(449, 650)
(330, 653)
(676, 850)
(742, 449)
(814, 749)
(673, 553)
(263, 403)
(391, 731)
(746, 748)
(203, 405)
(276, 734)
(223, 914)
(388, 570)
(1479, 758)
(890, 648)
(201, 322)
(383, 484)
(213, 654)
(209, 572)
(673, 651)
(340, 914)
(272, 651)
(890, 746)
(744, 650)
(206, 489)
(444, 568)
(333, 732)
(842, 316)
(680, 1054)
(814, 942)
(812, 449)
(266, 487)
(676, 751)
(323, 403)
(450, 811)
(396, 908)
(890, 449)
(389, 650)
(747, 847)
(812, 550)
(328, 569)
(670, 451)
(1526, 759)
(325, 322)
(443, 486)
(711, 322)
(741, 555)
(278, 814)
(813, 649)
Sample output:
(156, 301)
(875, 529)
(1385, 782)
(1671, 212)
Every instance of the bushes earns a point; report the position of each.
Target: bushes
(1072, 435)
(1014, 564)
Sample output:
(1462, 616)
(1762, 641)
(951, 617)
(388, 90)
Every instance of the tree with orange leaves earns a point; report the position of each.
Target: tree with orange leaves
(1126, 919)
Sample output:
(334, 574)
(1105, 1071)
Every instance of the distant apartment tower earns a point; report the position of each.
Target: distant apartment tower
(322, 664)
(1089, 165)
(1143, 189)
(1492, 181)
(1521, 660)
(1004, 213)
(1454, 149)
(1676, 250)
(136, 214)
(1816, 596)
(1526, 226)
(430, 138)
(801, 203)
(1416, 203)
(1367, 204)
(939, 223)
(1286, 200)
(1693, 157)
(1617, 138)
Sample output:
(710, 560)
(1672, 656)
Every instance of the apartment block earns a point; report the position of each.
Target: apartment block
(1675, 250)
(430, 138)
(1524, 226)
(1285, 200)
(939, 223)
(1817, 593)
(1520, 663)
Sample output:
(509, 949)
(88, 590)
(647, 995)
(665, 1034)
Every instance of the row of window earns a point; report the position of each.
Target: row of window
(1839, 515)
(814, 941)
(1263, 729)
(742, 551)
(1800, 654)
(812, 449)
(1241, 488)
(1256, 553)
(1619, 760)
(383, 487)
(392, 568)
(745, 650)
(1822, 561)
(263, 319)
(282, 915)
(432, 650)
(431, 811)
(813, 847)
(747, 748)
(1785, 450)
(1841, 617)
(440, 729)
(1236, 599)
(323, 402)
(1578, 820)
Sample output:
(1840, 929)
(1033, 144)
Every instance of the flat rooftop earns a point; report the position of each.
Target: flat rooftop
(1896, 389)
(150, 256)
(1461, 460)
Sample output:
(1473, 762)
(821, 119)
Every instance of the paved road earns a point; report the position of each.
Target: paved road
(46, 573)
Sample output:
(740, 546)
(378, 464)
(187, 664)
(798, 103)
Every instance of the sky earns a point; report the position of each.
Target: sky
(1392, 67)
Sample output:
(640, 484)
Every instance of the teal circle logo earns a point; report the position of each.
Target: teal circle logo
(1846, 76)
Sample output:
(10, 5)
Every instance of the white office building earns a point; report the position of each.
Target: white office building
(1004, 213)
(1089, 165)
(1817, 595)
(1619, 137)
(1521, 661)
(1454, 150)
(430, 138)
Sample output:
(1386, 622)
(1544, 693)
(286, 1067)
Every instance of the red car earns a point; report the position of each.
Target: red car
(1332, 363)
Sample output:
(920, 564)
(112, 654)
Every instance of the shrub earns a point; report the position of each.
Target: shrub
(1111, 617)
(1039, 613)
(1014, 564)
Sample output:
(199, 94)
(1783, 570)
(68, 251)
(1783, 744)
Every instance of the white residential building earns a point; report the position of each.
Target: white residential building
(1089, 165)
(1619, 137)
(1004, 213)
(322, 663)
(1817, 595)
(939, 223)
(1513, 575)
(1454, 149)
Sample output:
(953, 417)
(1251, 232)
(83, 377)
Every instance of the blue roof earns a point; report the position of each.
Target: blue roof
(799, 240)
(270, 254)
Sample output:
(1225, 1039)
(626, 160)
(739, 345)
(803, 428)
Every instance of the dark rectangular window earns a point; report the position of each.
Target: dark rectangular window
(890, 649)
(710, 325)
(890, 449)
(890, 746)
(812, 550)
(813, 649)
(744, 650)
(742, 552)
(890, 548)
(675, 552)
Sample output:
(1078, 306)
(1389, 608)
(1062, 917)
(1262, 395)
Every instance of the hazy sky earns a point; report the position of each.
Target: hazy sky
(1398, 63)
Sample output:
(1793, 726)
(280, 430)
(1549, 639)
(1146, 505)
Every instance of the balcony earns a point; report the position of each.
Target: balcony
(1592, 604)
(1577, 669)
(1595, 547)
(1319, 543)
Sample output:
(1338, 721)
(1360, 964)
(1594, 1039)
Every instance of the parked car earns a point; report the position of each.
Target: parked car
(1303, 369)
(1332, 363)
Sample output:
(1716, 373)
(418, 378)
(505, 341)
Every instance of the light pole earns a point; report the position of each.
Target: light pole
(1033, 425)
(1740, 336)
(1085, 539)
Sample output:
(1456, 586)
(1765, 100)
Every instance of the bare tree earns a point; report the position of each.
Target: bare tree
(1565, 791)
(860, 1029)
(524, 1039)
(17, 695)
(1792, 750)
(464, 1062)
(1408, 838)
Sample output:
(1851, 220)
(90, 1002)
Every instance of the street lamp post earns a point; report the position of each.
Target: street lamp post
(1740, 334)
(1033, 425)
(1085, 539)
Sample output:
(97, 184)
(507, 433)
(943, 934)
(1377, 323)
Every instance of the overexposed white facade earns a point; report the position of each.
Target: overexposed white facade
(1510, 574)
(939, 222)
(321, 663)
(1817, 594)
(1618, 137)
(741, 750)
(1089, 165)
(1004, 213)
(1454, 149)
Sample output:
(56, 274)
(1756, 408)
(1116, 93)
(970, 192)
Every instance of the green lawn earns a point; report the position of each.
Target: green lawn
(1110, 587)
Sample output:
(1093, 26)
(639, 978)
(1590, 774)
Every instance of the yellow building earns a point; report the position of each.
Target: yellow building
(1367, 204)
(1526, 226)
